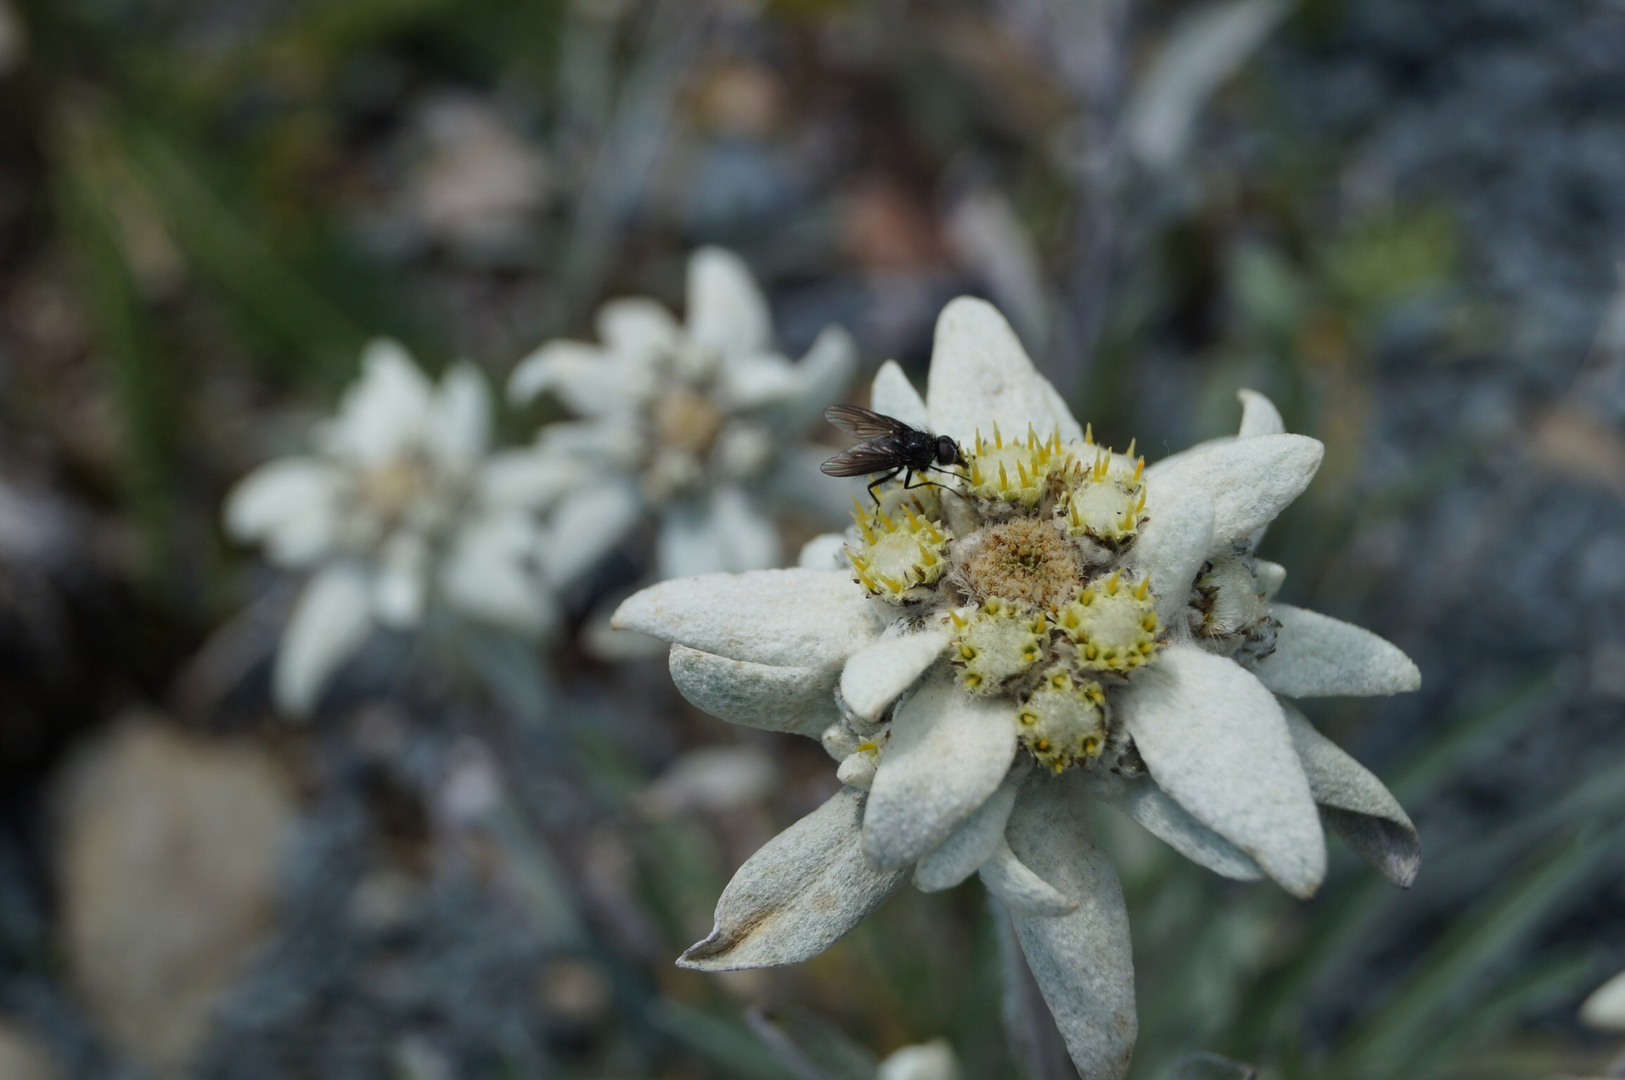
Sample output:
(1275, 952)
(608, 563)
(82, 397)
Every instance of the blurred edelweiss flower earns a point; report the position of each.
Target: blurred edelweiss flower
(400, 503)
(1059, 623)
(697, 423)
(934, 1060)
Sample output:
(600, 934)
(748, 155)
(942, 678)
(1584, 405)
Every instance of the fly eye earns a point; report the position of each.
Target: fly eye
(947, 450)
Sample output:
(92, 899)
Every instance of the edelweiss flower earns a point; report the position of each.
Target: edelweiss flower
(398, 504)
(1061, 623)
(692, 423)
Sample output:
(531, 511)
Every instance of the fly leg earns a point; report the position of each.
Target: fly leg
(877, 481)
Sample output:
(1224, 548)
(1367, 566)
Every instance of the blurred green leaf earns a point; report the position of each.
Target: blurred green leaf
(734, 1050)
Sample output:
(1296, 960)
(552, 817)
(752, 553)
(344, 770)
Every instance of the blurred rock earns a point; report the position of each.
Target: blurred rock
(1571, 442)
(479, 185)
(573, 990)
(167, 867)
(21, 1055)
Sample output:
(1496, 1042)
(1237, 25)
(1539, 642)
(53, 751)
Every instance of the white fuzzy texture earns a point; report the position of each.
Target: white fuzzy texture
(1360, 807)
(329, 624)
(772, 698)
(1216, 740)
(1141, 799)
(893, 395)
(1019, 888)
(1082, 961)
(586, 525)
(291, 506)
(975, 841)
(1319, 656)
(948, 752)
(1249, 480)
(826, 552)
(798, 894)
(1171, 548)
(875, 676)
(980, 375)
(1270, 577)
(1259, 416)
(787, 618)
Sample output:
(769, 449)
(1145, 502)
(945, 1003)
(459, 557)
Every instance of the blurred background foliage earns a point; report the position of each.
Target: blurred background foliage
(1399, 219)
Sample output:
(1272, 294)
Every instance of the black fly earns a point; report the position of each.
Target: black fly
(889, 447)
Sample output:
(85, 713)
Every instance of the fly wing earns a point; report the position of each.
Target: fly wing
(861, 423)
(860, 461)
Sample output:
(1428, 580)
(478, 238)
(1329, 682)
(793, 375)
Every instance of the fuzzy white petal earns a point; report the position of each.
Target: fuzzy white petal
(980, 375)
(974, 842)
(726, 311)
(460, 422)
(1319, 656)
(488, 574)
(826, 552)
(637, 329)
(1259, 416)
(1141, 799)
(799, 485)
(948, 752)
(1249, 480)
(1216, 740)
(587, 379)
(329, 624)
(800, 700)
(400, 586)
(794, 392)
(530, 478)
(822, 376)
(934, 1060)
(1172, 547)
(875, 675)
(1081, 961)
(386, 411)
(797, 895)
(584, 527)
(724, 532)
(291, 505)
(1021, 890)
(1357, 805)
(1270, 577)
(893, 395)
(789, 618)
(1605, 1008)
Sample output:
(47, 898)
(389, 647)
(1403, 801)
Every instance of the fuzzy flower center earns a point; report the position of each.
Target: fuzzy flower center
(1026, 559)
(687, 421)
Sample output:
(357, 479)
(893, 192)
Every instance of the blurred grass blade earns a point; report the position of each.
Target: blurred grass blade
(1488, 1020)
(811, 1047)
(1479, 726)
(248, 267)
(90, 174)
(1210, 1067)
(1467, 953)
(731, 1048)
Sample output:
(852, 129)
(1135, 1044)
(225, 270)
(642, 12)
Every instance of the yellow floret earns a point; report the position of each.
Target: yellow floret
(1113, 623)
(900, 555)
(997, 643)
(1015, 472)
(1063, 722)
